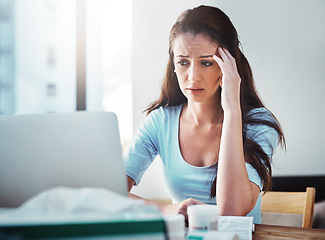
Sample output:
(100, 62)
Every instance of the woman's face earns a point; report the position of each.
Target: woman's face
(197, 73)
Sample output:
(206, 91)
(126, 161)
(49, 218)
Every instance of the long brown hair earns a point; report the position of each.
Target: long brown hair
(217, 26)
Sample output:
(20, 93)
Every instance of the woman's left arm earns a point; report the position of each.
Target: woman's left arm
(236, 194)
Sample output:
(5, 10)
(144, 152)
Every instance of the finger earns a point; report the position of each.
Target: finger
(217, 59)
(222, 53)
(231, 58)
(183, 212)
(225, 58)
(228, 53)
(219, 62)
(193, 201)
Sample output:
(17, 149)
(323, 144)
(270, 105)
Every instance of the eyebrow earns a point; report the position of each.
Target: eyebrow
(204, 56)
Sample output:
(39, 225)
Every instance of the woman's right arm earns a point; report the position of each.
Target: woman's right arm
(166, 208)
(141, 153)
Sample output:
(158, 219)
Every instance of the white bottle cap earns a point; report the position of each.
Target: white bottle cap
(202, 217)
(203, 209)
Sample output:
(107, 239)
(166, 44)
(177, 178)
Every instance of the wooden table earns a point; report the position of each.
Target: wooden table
(271, 232)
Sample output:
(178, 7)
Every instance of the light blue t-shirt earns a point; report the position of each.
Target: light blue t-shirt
(158, 135)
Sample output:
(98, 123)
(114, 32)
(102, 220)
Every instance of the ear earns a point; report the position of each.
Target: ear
(220, 81)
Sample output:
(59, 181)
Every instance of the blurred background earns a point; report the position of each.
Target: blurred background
(104, 55)
(67, 55)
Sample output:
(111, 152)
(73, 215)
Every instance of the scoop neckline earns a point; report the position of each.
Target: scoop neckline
(179, 148)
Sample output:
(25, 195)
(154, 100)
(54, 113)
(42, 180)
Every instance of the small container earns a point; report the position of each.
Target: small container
(212, 235)
(175, 224)
(202, 217)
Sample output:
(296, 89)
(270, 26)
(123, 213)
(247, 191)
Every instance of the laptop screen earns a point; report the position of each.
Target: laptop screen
(42, 151)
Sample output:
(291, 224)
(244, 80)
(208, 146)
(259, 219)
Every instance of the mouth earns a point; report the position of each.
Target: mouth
(194, 90)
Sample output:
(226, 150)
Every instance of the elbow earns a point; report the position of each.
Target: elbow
(232, 212)
(236, 209)
(239, 204)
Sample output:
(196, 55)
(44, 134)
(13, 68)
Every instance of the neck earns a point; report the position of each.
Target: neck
(203, 113)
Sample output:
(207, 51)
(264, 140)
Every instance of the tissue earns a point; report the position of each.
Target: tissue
(79, 204)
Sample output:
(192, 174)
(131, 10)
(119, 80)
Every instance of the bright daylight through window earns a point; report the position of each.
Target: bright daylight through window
(38, 49)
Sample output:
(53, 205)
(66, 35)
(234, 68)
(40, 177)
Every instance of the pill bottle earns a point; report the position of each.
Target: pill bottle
(175, 226)
(202, 217)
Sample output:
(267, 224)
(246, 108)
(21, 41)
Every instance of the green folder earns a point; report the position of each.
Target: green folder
(121, 229)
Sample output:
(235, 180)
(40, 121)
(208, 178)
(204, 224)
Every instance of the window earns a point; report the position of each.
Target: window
(39, 45)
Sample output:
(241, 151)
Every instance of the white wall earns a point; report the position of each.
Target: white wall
(284, 43)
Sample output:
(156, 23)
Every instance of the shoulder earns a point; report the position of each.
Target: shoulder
(165, 113)
(161, 117)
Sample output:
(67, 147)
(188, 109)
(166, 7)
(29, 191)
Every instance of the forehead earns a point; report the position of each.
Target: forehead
(188, 44)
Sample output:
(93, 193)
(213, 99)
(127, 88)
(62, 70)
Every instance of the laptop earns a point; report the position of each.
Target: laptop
(42, 151)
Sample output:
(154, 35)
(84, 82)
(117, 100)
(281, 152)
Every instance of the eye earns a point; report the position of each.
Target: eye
(207, 63)
(183, 62)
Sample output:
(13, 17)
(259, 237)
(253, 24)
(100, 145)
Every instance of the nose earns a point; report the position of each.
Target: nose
(194, 73)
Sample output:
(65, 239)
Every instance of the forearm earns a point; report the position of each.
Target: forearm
(177, 208)
(234, 193)
(160, 205)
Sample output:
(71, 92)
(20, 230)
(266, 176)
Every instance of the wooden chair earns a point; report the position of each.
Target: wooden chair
(278, 208)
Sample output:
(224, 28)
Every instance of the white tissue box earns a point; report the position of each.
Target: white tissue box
(124, 229)
(86, 213)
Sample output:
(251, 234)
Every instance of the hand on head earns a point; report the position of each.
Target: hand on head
(230, 82)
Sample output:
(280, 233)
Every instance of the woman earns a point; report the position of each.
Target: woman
(209, 127)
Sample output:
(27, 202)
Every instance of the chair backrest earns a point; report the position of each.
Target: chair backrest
(290, 203)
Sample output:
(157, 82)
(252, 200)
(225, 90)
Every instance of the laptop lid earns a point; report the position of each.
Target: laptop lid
(41, 151)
